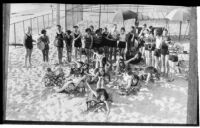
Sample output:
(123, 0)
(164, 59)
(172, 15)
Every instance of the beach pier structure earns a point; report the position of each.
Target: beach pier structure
(6, 34)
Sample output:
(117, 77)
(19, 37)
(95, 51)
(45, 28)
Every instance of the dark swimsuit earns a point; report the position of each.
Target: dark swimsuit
(28, 42)
(60, 41)
(78, 42)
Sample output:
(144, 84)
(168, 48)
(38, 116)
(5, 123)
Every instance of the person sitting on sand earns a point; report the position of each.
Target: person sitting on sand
(122, 64)
(130, 83)
(100, 75)
(102, 97)
(60, 77)
(49, 78)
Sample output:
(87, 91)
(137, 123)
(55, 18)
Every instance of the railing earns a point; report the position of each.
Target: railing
(37, 23)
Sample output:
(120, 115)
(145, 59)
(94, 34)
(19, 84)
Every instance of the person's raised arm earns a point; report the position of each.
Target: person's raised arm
(128, 61)
(107, 107)
(94, 92)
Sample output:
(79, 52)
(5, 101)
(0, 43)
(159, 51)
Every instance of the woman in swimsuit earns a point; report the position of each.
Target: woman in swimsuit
(101, 95)
(60, 38)
(122, 42)
(28, 43)
(77, 41)
(88, 40)
(113, 37)
(165, 53)
(68, 42)
(157, 52)
(45, 39)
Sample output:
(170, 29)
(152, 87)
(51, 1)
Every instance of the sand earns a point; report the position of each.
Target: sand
(28, 99)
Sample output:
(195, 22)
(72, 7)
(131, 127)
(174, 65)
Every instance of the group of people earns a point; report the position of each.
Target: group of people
(104, 54)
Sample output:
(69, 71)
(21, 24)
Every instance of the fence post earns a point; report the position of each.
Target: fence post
(48, 20)
(23, 26)
(37, 25)
(15, 34)
(43, 21)
(31, 25)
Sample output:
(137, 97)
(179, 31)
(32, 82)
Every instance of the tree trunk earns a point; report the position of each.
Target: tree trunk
(6, 31)
(192, 106)
(58, 15)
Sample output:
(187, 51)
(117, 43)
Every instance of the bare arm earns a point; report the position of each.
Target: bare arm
(94, 92)
(129, 84)
(64, 87)
(48, 40)
(128, 61)
(91, 41)
(78, 36)
(107, 107)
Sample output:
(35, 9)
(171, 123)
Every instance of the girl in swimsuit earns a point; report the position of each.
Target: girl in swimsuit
(77, 41)
(28, 43)
(45, 39)
(157, 52)
(60, 38)
(88, 40)
(122, 42)
(101, 95)
(165, 53)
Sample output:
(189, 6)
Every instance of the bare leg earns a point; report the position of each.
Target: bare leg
(26, 57)
(163, 64)
(75, 53)
(99, 83)
(115, 53)
(148, 78)
(153, 59)
(166, 64)
(30, 53)
(80, 53)
(110, 53)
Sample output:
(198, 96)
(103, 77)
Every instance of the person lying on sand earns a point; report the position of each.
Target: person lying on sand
(75, 82)
(102, 98)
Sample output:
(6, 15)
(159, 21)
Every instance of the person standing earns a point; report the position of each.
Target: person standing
(122, 42)
(157, 52)
(59, 37)
(130, 38)
(114, 36)
(68, 41)
(77, 41)
(105, 41)
(28, 43)
(88, 40)
(45, 39)
(165, 53)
